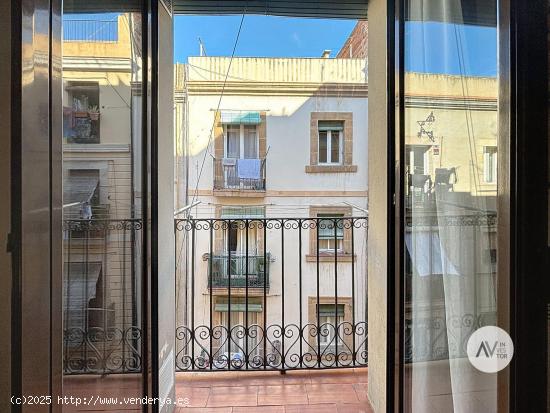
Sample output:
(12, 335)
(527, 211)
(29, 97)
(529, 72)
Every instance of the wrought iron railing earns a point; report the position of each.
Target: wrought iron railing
(79, 30)
(100, 296)
(228, 177)
(236, 265)
(313, 315)
(435, 329)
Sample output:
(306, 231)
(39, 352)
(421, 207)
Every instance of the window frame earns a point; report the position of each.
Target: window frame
(340, 239)
(345, 164)
(490, 162)
(343, 255)
(241, 136)
(329, 161)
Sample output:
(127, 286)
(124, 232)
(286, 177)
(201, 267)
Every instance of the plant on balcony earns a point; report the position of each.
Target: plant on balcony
(93, 112)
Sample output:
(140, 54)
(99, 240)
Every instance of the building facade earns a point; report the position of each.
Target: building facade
(101, 206)
(281, 143)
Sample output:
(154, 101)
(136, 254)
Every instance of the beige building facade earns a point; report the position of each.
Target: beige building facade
(102, 225)
(302, 124)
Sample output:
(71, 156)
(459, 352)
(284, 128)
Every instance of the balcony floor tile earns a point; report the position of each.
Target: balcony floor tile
(315, 391)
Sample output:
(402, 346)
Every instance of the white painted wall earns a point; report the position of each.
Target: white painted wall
(288, 139)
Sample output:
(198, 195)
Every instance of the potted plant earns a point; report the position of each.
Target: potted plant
(93, 112)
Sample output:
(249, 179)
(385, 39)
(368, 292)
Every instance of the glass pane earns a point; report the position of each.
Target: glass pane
(450, 196)
(102, 219)
(250, 142)
(335, 147)
(323, 147)
(233, 141)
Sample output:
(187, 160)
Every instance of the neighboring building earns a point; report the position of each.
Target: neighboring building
(279, 138)
(450, 179)
(101, 218)
(357, 44)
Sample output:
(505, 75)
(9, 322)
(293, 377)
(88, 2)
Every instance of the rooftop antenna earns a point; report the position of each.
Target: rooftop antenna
(202, 50)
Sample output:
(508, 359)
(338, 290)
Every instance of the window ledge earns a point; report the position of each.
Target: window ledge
(312, 169)
(330, 258)
(243, 193)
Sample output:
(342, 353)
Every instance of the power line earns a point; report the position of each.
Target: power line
(218, 107)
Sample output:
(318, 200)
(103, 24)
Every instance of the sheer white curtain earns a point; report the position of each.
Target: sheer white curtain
(451, 233)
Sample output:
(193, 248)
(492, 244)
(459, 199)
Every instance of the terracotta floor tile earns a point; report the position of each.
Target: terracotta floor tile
(233, 396)
(196, 396)
(282, 399)
(286, 389)
(204, 410)
(331, 393)
(354, 408)
(260, 409)
(307, 408)
(234, 390)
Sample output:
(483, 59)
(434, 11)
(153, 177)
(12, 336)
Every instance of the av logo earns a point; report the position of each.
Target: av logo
(486, 349)
(490, 349)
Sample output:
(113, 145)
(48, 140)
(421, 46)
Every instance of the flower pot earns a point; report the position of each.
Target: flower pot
(93, 115)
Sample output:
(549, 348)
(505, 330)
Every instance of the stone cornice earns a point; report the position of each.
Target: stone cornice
(277, 89)
(111, 64)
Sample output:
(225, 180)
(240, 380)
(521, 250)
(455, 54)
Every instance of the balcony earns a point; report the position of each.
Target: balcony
(232, 271)
(310, 321)
(239, 177)
(81, 126)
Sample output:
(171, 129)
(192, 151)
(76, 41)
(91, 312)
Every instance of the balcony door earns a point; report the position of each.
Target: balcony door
(241, 141)
(470, 241)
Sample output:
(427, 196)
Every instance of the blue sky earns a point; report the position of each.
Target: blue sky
(441, 48)
(444, 48)
(451, 49)
(260, 36)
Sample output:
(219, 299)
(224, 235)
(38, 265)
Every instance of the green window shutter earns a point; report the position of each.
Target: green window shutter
(240, 117)
(327, 310)
(334, 125)
(248, 212)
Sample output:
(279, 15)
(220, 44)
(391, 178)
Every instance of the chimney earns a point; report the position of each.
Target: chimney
(326, 54)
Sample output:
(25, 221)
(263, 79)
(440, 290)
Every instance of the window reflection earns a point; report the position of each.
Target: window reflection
(102, 225)
(451, 92)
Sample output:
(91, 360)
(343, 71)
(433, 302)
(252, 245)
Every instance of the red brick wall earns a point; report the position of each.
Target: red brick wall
(357, 44)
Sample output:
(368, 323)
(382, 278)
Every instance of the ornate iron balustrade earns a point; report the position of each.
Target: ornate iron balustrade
(96, 350)
(440, 337)
(100, 309)
(223, 265)
(312, 317)
(227, 176)
(434, 328)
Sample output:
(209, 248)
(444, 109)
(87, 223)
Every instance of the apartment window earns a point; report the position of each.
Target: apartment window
(233, 236)
(81, 193)
(331, 233)
(241, 134)
(239, 314)
(490, 164)
(330, 318)
(417, 160)
(81, 113)
(330, 142)
(83, 295)
(334, 315)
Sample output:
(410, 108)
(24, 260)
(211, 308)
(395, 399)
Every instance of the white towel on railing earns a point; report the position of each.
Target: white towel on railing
(249, 168)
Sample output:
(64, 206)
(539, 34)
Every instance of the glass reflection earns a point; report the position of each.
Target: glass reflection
(451, 91)
(102, 222)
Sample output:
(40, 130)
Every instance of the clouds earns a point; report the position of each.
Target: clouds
(296, 39)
